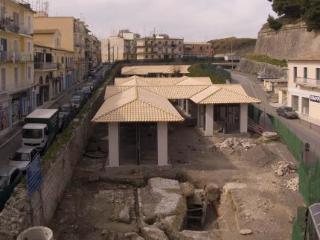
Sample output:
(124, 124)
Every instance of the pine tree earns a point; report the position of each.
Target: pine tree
(312, 14)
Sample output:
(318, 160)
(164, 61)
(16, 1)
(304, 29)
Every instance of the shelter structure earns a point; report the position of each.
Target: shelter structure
(156, 102)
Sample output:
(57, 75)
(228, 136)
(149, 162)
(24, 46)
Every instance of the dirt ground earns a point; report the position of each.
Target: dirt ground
(258, 199)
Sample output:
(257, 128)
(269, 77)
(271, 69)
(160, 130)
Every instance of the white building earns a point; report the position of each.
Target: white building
(304, 89)
(119, 48)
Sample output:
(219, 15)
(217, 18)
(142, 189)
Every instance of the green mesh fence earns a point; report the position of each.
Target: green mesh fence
(299, 225)
(254, 113)
(295, 145)
(309, 182)
(309, 176)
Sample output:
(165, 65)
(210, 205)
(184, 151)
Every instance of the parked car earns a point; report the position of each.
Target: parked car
(77, 101)
(91, 85)
(23, 157)
(66, 114)
(9, 179)
(287, 112)
(86, 91)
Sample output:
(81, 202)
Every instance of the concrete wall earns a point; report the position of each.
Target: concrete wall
(291, 42)
(252, 67)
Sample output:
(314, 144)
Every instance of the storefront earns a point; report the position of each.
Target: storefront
(21, 105)
(5, 122)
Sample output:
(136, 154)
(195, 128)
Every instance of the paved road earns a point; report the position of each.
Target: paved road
(302, 129)
(15, 142)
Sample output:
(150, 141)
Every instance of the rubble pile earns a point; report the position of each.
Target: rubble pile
(283, 168)
(270, 136)
(293, 184)
(236, 144)
(14, 218)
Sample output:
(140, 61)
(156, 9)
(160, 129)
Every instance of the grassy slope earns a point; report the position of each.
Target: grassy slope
(217, 75)
(241, 46)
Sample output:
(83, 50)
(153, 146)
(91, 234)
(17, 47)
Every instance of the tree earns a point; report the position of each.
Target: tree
(312, 14)
(288, 8)
(274, 24)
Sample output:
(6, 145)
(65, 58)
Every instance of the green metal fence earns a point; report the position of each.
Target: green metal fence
(254, 113)
(309, 175)
(295, 145)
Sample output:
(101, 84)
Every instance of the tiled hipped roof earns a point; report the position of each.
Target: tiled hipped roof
(137, 99)
(137, 105)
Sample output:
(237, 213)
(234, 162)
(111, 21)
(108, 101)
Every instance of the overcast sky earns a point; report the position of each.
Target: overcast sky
(195, 20)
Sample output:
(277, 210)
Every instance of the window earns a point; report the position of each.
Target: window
(15, 46)
(3, 79)
(29, 73)
(305, 72)
(29, 47)
(16, 18)
(16, 76)
(2, 11)
(318, 73)
(29, 24)
(295, 74)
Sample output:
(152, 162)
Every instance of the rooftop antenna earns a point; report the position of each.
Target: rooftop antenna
(41, 7)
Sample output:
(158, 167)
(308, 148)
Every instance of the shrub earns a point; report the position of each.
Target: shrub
(274, 24)
(267, 59)
(216, 74)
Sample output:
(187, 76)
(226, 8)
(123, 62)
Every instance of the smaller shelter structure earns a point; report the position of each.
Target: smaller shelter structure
(156, 70)
(136, 106)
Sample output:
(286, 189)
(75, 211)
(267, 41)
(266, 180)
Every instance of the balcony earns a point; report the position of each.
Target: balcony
(308, 82)
(9, 57)
(7, 24)
(45, 66)
(15, 57)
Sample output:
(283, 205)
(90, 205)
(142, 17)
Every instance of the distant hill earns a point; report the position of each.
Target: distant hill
(241, 46)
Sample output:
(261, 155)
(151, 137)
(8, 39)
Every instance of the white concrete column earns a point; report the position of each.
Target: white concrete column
(198, 115)
(243, 118)
(209, 121)
(113, 144)
(187, 106)
(162, 134)
(300, 111)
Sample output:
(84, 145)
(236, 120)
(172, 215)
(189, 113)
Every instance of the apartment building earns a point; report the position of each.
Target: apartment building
(93, 51)
(74, 33)
(16, 62)
(54, 66)
(304, 88)
(198, 50)
(159, 47)
(120, 47)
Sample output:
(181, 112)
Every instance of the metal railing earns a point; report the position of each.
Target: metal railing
(15, 57)
(45, 65)
(9, 57)
(309, 82)
(8, 24)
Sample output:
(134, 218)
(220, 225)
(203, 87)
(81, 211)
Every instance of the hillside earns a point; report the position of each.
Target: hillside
(241, 46)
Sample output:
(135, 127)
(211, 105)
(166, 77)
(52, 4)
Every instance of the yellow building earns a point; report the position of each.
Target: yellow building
(73, 38)
(16, 62)
(93, 51)
(54, 66)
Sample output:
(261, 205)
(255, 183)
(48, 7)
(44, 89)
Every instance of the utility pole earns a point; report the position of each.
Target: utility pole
(231, 55)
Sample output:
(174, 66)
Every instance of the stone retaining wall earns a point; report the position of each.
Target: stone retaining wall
(21, 211)
(252, 67)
